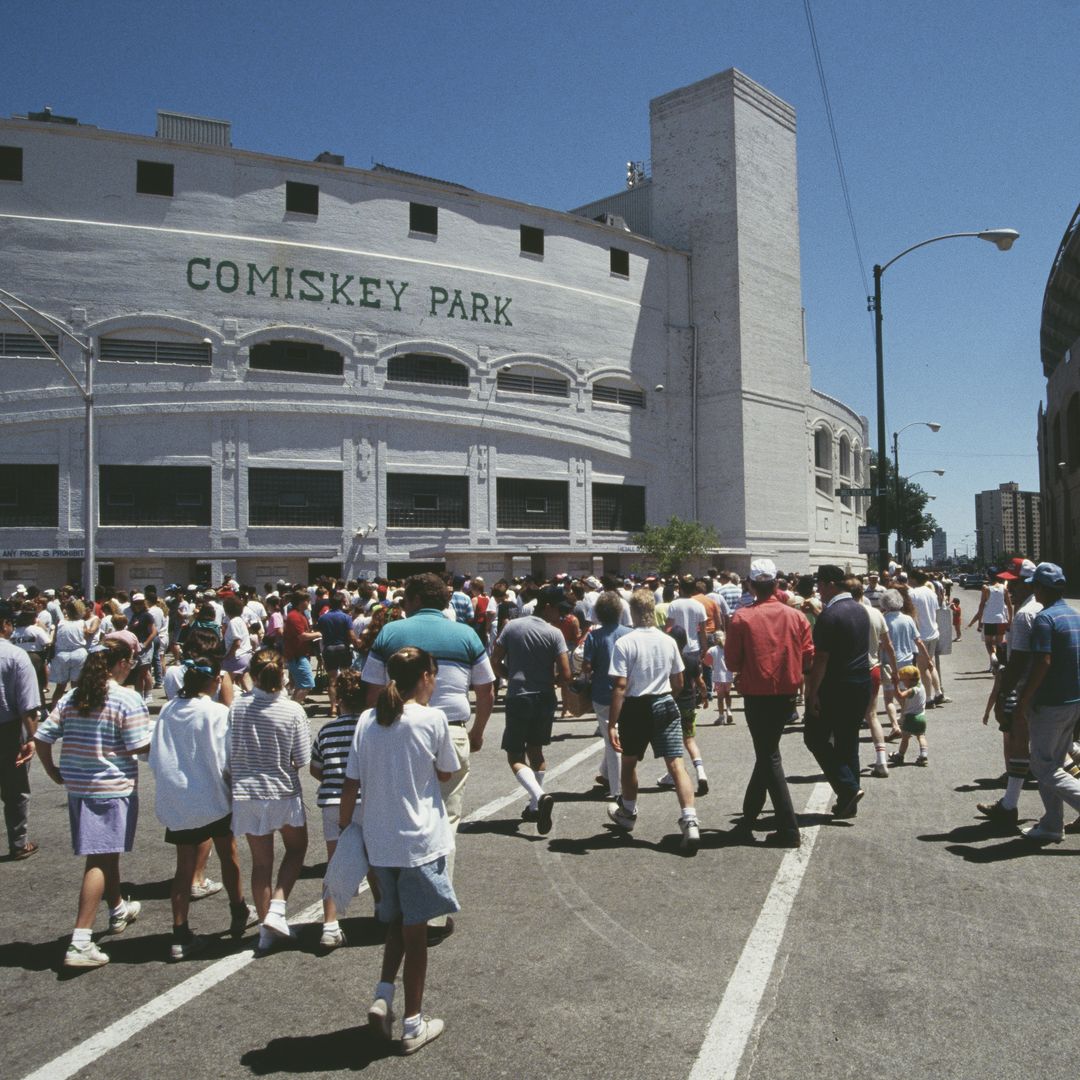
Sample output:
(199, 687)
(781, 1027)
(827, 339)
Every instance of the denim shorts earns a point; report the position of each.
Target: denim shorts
(651, 721)
(414, 894)
(529, 718)
(300, 674)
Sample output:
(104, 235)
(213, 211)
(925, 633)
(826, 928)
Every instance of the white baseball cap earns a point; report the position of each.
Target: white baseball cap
(137, 596)
(763, 570)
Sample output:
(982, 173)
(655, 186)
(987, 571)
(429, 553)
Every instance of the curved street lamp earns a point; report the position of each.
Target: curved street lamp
(899, 516)
(1002, 239)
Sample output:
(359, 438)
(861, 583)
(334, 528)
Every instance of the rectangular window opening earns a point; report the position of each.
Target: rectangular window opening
(295, 497)
(423, 219)
(620, 262)
(618, 507)
(154, 177)
(532, 504)
(11, 162)
(301, 198)
(532, 240)
(427, 502)
(155, 495)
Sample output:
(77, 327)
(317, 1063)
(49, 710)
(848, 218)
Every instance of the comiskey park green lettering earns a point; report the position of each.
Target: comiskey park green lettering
(315, 286)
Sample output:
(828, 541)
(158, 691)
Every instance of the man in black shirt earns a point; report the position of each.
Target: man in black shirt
(838, 688)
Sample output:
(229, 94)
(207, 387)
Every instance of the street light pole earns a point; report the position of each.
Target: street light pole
(1002, 239)
(934, 427)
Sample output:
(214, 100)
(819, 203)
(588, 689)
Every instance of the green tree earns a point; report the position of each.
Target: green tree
(670, 545)
(916, 526)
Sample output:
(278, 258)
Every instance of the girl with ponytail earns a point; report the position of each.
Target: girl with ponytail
(103, 726)
(400, 752)
(190, 761)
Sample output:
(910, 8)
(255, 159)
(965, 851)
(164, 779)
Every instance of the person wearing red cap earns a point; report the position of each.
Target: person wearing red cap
(993, 617)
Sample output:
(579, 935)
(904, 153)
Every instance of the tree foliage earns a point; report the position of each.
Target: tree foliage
(670, 546)
(916, 526)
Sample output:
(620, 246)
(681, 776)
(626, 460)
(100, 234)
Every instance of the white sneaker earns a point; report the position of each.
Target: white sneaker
(276, 924)
(667, 780)
(691, 833)
(430, 1029)
(119, 923)
(187, 949)
(84, 956)
(380, 1018)
(621, 816)
(207, 887)
(332, 939)
(1041, 836)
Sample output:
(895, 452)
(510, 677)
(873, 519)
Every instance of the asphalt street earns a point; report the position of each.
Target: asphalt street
(914, 941)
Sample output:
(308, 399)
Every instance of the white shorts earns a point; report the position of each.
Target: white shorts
(330, 827)
(259, 817)
(66, 667)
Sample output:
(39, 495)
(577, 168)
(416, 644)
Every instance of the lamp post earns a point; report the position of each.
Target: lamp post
(14, 306)
(935, 428)
(921, 472)
(1003, 239)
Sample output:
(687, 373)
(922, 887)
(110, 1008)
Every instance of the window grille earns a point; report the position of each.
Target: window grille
(131, 351)
(618, 395)
(533, 384)
(298, 356)
(29, 496)
(20, 344)
(618, 508)
(154, 494)
(301, 497)
(428, 369)
(532, 504)
(427, 502)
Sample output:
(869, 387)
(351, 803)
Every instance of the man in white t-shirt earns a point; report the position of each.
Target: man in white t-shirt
(646, 670)
(925, 599)
(689, 613)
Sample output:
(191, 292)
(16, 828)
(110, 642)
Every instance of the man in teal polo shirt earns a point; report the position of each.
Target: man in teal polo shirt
(463, 664)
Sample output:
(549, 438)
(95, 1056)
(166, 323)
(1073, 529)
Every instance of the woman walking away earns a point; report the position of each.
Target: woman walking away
(400, 753)
(269, 743)
(73, 638)
(189, 754)
(103, 726)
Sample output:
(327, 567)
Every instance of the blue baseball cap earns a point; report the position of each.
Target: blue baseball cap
(1049, 575)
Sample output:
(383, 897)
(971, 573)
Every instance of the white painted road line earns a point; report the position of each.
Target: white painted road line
(731, 1027)
(88, 1051)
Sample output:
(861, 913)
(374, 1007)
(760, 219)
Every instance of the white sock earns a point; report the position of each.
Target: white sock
(630, 805)
(688, 812)
(880, 757)
(1011, 799)
(277, 907)
(81, 938)
(385, 990)
(330, 927)
(120, 909)
(412, 1026)
(527, 779)
(699, 766)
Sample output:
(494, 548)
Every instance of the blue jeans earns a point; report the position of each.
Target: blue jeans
(832, 736)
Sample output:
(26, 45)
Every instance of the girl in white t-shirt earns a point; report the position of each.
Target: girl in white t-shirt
(721, 680)
(400, 753)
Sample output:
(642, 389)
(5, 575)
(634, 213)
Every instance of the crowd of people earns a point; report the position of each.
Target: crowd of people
(412, 672)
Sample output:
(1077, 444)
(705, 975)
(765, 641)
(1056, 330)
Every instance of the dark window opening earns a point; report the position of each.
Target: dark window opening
(154, 178)
(532, 240)
(532, 384)
(301, 198)
(532, 504)
(425, 368)
(427, 502)
(301, 497)
(620, 262)
(130, 351)
(11, 163)
(618, 395)
(29, 496)
(299, 356)
(423, 219)
(154, 494)
(25, 344)
(618, 508)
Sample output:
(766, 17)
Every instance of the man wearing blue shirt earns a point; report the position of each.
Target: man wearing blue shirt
(1051, 701)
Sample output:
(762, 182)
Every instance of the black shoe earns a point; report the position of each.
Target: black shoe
(543, 814)
(783, 840)
(702, 787)
(999, 814)
(437, 934)
(529, 814)
(849, 807)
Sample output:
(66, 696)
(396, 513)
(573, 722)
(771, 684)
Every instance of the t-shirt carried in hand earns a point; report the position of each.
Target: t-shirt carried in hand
(402, 812)
(532, 646)
(646, 658)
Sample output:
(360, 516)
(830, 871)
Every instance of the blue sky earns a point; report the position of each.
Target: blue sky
(951, 117)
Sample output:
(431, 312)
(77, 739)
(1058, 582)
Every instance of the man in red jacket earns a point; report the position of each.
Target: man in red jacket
(770, 647)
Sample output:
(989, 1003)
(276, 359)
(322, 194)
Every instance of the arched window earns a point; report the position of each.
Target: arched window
(304, 357)
(615, 392)
(856, 453)
(823, 461)
(845, 456)
(427, 368)
(1072, 430)
(523, 379)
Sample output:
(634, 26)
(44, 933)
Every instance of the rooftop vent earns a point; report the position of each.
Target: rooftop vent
(46, 116)
(193, 129)
(326, 158)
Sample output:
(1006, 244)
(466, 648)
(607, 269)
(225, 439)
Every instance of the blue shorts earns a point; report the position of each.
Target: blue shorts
(300, 674)
(529, 718)
(414, 894)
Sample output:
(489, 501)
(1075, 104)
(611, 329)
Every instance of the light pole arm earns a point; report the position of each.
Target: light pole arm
(923, 243)
(5, 297)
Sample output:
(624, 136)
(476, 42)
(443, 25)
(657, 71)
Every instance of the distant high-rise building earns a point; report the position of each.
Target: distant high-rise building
(1007, 520)
(940, 546)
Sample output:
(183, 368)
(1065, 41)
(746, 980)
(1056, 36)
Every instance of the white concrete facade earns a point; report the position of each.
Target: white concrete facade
(703, 334)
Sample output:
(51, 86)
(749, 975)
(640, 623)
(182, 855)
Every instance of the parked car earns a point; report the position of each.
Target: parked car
(972, 581)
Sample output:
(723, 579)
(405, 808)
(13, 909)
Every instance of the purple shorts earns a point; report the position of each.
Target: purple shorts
(103, 826)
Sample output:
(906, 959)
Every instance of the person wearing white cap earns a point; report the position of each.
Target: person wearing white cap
(1008, 686)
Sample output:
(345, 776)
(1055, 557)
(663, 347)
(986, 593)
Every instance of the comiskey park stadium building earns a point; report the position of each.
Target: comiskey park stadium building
(301, 367)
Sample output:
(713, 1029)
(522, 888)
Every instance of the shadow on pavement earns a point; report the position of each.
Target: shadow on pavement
(334, 1051)
(147, 890)
(970, 834)
(501, 827)
(806, 779)
(1017, 848)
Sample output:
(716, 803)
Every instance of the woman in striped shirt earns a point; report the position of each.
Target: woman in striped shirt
(103, 726)
(269, 743)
